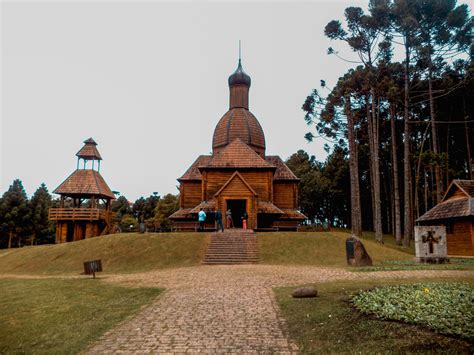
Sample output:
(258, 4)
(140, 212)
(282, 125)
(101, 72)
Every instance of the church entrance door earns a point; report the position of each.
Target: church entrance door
(237, 207)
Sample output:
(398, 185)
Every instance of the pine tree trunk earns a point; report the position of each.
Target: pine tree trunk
(434, 136)
(356, 221)
(371, 162)
(10, 238)
(406, 156)
(376, 167)
(396, 189)
(470, 173)
(388, 204)
(426, 191)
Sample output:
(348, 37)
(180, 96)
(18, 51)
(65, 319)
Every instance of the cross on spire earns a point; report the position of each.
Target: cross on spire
(240, 54)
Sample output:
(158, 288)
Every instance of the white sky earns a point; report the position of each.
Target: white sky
(148, 81)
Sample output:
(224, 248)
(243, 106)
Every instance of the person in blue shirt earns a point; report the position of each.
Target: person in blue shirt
(201, 218)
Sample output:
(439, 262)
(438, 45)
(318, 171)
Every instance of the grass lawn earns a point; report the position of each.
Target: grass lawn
(330, 324)
(389, 241)
(319, 249)
(127, 252)
(63, 316)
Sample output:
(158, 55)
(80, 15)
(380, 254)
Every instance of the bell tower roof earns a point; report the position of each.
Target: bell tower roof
(89, 151)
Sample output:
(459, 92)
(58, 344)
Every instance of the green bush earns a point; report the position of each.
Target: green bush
(444, 307)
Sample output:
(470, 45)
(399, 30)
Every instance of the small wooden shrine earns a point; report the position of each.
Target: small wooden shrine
(84, 207)
(456, 213)
(238, 176)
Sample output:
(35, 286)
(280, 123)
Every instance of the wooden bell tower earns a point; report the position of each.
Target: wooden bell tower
(84, 207)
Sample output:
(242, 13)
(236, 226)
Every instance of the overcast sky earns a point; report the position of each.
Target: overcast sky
(148, 81)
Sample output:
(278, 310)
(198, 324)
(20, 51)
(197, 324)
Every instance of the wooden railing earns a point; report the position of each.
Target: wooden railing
(79, 214)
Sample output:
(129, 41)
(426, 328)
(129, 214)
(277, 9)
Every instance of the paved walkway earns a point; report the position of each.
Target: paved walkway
(221, 309)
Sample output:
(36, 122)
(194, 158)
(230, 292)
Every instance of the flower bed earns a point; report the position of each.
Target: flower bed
(447, 308)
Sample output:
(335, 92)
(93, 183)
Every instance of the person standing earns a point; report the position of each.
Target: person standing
(245, 217)
(219, 223)
(202, 219)
(228, 218)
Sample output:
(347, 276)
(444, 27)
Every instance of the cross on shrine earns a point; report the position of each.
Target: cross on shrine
(431, 239)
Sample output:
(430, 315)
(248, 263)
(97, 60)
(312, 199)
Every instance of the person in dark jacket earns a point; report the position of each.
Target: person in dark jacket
(219, 223)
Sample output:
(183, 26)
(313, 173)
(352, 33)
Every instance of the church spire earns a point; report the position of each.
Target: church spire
(239, 84)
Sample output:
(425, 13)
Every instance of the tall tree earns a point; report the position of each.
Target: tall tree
(165, 207)
(324, 193)
(365, 36)
(144, 208)
(405, 24)
(334, 122)
(443, 30)
(14, 211)
(42, 230)
(121, 207)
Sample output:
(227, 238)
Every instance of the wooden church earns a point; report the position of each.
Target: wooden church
(239, 175)
(85, 205)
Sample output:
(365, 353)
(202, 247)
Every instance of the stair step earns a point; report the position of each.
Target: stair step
(235, 246)
(223, 256)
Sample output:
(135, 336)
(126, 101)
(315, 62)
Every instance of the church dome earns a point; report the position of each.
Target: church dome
(239, 77)
(239, 123)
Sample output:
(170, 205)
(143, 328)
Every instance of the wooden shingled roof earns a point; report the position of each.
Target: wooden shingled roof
(457, 202)
(268, 207)
(85, 183)
(193, 172)
(282, 172)
(237, 155)
(182, 213)
(238, 123)
(292, 214)
(207, 206)
(89, 151)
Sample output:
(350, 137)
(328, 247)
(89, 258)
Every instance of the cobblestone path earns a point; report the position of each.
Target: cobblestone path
(221, 309)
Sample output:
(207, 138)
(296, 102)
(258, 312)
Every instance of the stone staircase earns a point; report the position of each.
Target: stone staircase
(233, 246)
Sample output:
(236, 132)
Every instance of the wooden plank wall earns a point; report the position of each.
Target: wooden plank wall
(284, 194)
(61, 232)
(457, 194)
(239, 96)
(259, 180)
(191, 193)
(92, 230)
(461, 241)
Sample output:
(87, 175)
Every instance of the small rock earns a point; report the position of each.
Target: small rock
(304, 292)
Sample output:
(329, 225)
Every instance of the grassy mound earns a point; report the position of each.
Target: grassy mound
(63, 316)
(444, 307)
(319, 249)
(132, 252)
(128, 252)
